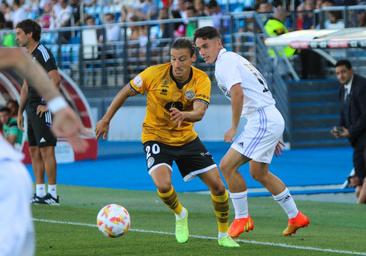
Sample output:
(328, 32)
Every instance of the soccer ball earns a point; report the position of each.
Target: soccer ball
(113, 220)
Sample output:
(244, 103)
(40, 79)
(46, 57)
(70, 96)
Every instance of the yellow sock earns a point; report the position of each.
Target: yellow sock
(221, 209)
(170, 198)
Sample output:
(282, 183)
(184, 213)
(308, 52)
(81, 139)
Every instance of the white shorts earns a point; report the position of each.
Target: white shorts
(261, 133)
(16, 226)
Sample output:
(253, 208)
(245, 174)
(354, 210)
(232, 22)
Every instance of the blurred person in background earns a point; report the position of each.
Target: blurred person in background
(11, 132)
(41, 140)
(275, 26)
(13, 106)
(305, 16)
(19, 12)
(219, 22)
(352, 122)
(45, 19)
(62, 17)
(199, 6)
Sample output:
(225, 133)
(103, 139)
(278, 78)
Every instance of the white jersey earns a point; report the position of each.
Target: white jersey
(7, 151)
(231, 69)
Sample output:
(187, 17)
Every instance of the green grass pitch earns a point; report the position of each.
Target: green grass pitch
(335, 229)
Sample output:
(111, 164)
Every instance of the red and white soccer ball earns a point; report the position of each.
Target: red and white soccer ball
(113, 220)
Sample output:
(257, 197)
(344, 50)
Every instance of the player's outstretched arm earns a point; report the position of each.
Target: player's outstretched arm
(66, 123)
(102, 126)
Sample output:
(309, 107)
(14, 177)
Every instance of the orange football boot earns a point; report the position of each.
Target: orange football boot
(239, 226)
(300, 221)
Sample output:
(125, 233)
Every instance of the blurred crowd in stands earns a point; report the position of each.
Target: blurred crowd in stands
(65, 13)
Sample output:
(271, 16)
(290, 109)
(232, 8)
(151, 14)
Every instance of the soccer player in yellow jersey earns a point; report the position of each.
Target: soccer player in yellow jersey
(177, 96)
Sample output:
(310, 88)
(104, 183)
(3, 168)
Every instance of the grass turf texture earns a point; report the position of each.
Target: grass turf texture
(333, 226)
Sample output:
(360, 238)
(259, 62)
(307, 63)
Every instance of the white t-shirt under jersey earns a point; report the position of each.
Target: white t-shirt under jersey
(230, 69)
(7, 152)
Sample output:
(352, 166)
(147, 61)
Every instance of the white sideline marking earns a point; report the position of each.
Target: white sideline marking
(287, 246)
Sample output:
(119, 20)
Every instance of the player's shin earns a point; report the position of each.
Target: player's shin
(221, 209)
(171, 199)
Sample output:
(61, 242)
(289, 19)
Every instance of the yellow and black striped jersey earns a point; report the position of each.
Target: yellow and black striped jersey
(163, 93)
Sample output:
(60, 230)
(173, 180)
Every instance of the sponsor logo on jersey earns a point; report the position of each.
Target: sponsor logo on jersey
(138, 81)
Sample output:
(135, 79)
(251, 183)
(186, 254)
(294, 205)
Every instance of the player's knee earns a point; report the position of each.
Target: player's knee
(258, 175)
(164, 187)
(225, 168)
(217, 189)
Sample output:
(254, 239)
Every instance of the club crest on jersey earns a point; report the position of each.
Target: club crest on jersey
(150, 161)
(138, 81)
(189, 94)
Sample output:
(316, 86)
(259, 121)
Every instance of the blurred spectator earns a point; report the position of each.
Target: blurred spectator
(90, 21)
(138, 32)
(263, 8)
(75, 7)
(361, 16)
(45, 19)
(8, 39)
(13, 106)
(111, 35)
(62, 14)
(333, 18)
(352, 123)
(5, 9)
(199, 6)
(219, 22)
(112, 30)
(19, 12)
(146, 9)
(33, 9)
(191, 25)
(179, 12)
(2, 20)
(10, 130)
(166, 29)
(305, 17)
(275, 26)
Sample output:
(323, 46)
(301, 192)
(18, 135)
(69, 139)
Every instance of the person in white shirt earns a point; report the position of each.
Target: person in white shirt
(258, 139)
(17, 237)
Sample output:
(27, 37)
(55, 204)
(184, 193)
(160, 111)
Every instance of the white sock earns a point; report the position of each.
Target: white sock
(40, 190)
(240, 203)
(182, 215)
(52, 190)
(287, 203)
(222, 235)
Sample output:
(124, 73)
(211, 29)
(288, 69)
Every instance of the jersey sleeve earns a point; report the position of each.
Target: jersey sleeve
(140, 83)
(228, 73)
(203, 91)
(50, 64)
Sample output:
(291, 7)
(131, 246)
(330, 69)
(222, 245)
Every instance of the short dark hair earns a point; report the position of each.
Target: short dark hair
(346, 63)
(183, 43)
(5, 109)
(207, 32)
(30, 26)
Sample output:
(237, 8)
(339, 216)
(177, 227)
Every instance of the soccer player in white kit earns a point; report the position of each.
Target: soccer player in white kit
(258, 139)
(16, 227)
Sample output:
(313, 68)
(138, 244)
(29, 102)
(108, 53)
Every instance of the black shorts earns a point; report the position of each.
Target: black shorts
(192, 158)
(39, 128)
